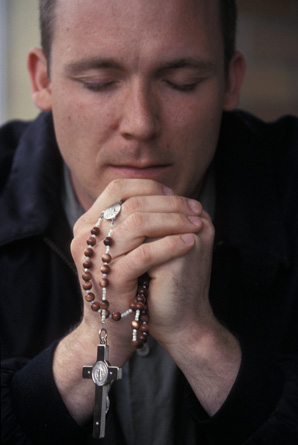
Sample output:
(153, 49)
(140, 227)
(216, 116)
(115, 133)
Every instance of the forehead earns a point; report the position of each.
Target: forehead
(174, 23)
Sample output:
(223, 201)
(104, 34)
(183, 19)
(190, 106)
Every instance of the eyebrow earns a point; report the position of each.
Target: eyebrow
(91, 63)
(82, 65)
(192, 63)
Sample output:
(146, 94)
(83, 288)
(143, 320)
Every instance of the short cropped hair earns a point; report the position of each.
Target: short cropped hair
(228, 11)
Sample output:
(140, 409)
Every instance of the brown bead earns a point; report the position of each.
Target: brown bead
(116, 316)
(106, 258)
(95, 231)
(95, 306)
(141, 299)
(142, 291)
(105, 269)
(86, 276)
(107, 241)
(89, 252)
(143, 337)
(144, 328)
(137, 344)
(107, 313)
(135, 324)
(91, 241)
(144, 318)
(104, 282)
(89, 297)
(87, 264)
(133, 306)
(104, 304)
(140, 306)
(87, 285)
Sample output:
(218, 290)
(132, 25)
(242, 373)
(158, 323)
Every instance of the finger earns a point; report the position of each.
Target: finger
(120, 190)
(149, 255)
(161, 204)
(138, 227)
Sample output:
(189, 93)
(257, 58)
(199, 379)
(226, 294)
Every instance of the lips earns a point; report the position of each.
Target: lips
(146, 172)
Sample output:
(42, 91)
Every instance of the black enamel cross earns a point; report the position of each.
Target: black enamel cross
(102, 375)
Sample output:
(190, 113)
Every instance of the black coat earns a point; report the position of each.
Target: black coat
(254, 285)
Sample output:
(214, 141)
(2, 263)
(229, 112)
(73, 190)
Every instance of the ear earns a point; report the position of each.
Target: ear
(233, 84)
(40, 82)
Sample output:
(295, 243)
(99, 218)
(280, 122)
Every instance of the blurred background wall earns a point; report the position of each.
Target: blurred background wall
(268, 36)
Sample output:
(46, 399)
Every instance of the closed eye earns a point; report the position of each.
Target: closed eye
(95, 86)
(185, 87)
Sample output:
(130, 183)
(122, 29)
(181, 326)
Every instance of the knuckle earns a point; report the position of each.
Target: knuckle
(133, 205)
(141, 257)
(175, 202)
(144, 254)
(135, 221)
(115, 187)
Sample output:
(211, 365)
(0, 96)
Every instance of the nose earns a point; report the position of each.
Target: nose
(139, 115)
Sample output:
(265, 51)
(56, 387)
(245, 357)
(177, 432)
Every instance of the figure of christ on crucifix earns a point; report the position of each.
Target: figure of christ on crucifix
(102, 375)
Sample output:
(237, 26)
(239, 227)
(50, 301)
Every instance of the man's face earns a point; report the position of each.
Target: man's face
(137, 91)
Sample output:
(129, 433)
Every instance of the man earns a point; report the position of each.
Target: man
(137, 91)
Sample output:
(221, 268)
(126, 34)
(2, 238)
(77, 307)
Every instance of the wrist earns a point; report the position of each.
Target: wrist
(210, 359)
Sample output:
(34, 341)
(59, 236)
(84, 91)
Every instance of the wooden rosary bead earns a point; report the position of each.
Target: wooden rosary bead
(132, 306)
(141, 299)
(89, 252)
(104, 304)
(95, 231)
(144, 328)
(138, 344)
(140, 306)
(135, 324)
(144, 318)
(107, 241)
(87, 264)
(105, 269)
(107, 313)
(143, 291)
(104, 282)
(143, 337)
(86, 276)
(87, 285)
(95, 306)
(89, 297)
(91, 241)
(106, 258)
(116, 316)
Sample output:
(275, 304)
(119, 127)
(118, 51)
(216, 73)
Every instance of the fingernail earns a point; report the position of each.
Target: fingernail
(167, 190)
(188, 238)
(195, 220)
(195, 205)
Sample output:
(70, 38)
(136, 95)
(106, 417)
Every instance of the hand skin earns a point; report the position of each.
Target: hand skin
(171, 238)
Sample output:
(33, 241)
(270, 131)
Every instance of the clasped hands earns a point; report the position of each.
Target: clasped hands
(169, 237)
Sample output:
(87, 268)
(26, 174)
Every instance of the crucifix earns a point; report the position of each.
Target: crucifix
(102, 375)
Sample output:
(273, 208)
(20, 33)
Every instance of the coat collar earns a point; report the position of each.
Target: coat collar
(32, 192)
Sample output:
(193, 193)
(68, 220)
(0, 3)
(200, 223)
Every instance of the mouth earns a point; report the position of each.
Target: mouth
(145, 172)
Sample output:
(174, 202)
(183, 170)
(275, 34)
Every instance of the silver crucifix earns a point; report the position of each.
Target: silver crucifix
(102, 375)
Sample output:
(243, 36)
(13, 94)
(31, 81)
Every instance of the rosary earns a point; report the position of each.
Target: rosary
(102, 373)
